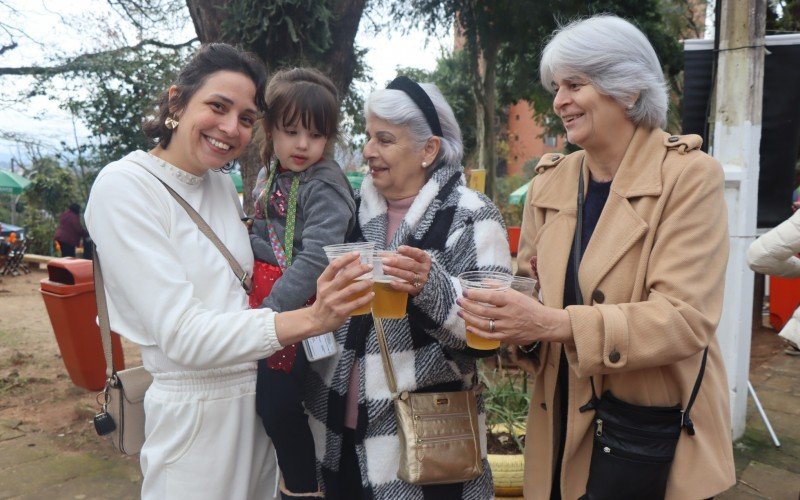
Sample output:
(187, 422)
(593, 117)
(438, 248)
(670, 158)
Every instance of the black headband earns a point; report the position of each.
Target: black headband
(421, 99)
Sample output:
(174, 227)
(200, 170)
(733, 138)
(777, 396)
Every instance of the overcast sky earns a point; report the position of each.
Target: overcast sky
(63, 27)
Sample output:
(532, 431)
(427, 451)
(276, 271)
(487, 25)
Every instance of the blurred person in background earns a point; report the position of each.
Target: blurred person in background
(775, 253)
(70, 231)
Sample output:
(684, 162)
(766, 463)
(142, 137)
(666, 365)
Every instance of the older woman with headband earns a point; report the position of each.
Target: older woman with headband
(414, 201)
(629, 239)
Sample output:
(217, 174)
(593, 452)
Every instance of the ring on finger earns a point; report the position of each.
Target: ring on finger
(416, 281)
(491, 326)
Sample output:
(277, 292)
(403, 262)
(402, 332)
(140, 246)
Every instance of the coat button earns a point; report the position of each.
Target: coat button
(674, 138)
(598, 297)
(543, 406)
(613, 356)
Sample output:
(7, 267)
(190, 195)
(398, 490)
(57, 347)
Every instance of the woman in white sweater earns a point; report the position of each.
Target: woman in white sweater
(171, 291)
(775, 253)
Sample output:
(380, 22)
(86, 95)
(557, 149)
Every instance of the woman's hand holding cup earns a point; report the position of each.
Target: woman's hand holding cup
(513, 317)
(340, 292)
(412, 267)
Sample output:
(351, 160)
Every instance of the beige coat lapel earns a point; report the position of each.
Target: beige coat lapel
(619, 222)
(554, 240)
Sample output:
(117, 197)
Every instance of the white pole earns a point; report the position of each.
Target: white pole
(737, 136)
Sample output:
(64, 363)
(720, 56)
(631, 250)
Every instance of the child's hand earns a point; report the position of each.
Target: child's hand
(248, 223)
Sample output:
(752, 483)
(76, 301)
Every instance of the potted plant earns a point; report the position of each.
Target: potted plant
(507, 402)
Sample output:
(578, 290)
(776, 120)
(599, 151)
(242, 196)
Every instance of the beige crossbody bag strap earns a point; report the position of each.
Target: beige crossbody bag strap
(387, 360)
(102, 316)
(240, 273)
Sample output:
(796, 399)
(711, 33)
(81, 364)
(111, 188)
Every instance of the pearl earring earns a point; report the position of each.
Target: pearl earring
(424, 164)
(171, 123)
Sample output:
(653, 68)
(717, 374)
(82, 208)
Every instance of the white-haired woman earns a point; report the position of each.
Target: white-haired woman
(651, 247)
(414, 201)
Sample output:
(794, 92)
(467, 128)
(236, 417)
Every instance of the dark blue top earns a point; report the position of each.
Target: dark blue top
(593, 204)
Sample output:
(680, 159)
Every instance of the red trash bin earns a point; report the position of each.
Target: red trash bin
(784, 297)
(69, 298)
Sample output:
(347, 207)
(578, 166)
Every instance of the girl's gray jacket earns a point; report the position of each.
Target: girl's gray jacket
(326, 212)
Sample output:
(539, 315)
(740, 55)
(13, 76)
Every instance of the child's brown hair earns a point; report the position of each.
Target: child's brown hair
(304, 95)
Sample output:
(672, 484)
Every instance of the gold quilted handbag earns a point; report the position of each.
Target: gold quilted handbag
(438, 431)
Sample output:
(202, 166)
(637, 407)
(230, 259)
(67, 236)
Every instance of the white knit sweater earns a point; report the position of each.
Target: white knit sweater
(168, 287)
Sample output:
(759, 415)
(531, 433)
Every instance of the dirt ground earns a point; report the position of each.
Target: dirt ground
(36, 393)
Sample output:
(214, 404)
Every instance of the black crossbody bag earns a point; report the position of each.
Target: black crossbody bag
(634, 445)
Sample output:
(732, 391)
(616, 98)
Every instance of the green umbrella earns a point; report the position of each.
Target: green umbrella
(237, 180)
(518, 196)
(11, 183)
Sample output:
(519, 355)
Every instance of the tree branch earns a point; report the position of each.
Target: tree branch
(82, 61)
(5, 48)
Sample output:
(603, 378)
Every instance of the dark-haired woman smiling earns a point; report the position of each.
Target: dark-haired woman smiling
(171, 291)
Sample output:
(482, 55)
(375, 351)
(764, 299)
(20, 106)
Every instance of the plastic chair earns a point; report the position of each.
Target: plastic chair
(14, 260)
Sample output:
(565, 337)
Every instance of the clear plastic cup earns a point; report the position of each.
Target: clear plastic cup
(524, 285)
(483, 280)
(388, 303)
(366, 249)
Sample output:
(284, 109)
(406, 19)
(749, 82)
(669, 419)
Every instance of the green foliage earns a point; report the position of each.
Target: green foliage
(512, 213)
(507, 402)
(5, 207)
(281, 27)
(51, 191)
(286, 33)
(111, 93)
(52, 188)
(783, 16)
(40, 228)
(112, 96)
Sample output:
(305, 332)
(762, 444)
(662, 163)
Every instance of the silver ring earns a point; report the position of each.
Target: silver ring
(491, 326)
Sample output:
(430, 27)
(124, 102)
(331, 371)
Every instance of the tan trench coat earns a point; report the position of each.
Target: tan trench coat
(652, 280)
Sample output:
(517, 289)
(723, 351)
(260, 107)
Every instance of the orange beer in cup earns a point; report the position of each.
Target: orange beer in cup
(365, 248)
(483, 280)
(388, 303)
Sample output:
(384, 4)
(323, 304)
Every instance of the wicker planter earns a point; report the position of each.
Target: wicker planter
(507, 472)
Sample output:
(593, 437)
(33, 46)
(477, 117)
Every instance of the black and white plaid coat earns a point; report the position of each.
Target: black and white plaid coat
(462, 230)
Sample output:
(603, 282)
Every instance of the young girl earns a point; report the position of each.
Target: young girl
(303, 202)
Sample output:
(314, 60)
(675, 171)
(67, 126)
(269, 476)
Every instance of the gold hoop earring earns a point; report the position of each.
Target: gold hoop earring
(171, 123)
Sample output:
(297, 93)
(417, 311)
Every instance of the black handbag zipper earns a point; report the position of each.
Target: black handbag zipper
(633, 456)
(632, 430)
